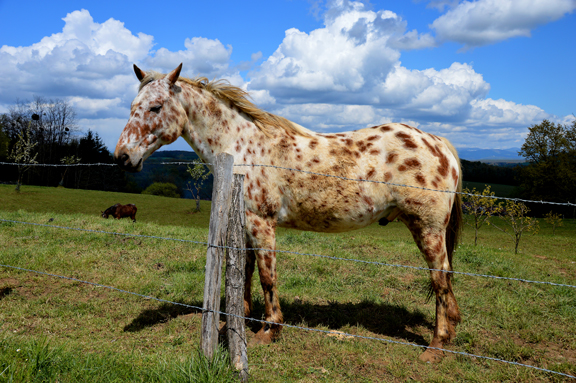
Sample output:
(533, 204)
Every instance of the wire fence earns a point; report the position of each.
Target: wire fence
(322, 175)
(284, 324)
(466, 354)
(304, 254)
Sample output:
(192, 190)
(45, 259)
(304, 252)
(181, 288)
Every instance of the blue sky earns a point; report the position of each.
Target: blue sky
(478, 72)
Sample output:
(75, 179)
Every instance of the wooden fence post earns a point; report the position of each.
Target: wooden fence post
(221, 200)
(235, 275)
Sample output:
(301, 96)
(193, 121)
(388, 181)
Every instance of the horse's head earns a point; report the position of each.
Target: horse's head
(104, 215)
(156, 118)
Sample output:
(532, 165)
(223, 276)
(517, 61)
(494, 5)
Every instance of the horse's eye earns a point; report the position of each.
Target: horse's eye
(156, 109)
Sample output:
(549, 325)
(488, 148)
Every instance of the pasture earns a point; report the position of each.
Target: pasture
(53, 329)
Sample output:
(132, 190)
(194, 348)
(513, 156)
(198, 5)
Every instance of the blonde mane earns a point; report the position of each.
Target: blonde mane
(225, 91)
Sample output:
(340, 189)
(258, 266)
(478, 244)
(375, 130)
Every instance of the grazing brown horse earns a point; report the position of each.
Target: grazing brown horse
(121, 211)
(216, 117)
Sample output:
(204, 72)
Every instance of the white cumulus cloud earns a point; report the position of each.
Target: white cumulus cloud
(497, 112)
(482, 22)
(86, 59)
(348, 75)
(355, 49)
(203, 56)
(90, 65)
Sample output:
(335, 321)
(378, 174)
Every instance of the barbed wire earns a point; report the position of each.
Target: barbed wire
(323, 175)
(295, 253)
(410, 186)
(203, 310)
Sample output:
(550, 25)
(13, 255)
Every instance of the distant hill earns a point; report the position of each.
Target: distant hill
(490, 155)
(173, 155)
(176, 174)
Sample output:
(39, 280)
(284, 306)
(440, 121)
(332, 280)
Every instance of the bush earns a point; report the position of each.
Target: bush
(164, 189)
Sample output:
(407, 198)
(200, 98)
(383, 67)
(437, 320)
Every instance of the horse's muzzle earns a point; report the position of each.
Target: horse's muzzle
(124, 162)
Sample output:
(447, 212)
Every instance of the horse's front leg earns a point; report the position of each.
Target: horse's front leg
(262, 234)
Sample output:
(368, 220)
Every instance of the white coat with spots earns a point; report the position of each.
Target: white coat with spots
(216, 117)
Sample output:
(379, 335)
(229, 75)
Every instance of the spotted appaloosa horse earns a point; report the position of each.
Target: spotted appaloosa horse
(216, 117)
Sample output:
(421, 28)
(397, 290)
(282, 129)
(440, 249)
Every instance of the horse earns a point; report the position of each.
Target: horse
(121, 211)
(216, 117)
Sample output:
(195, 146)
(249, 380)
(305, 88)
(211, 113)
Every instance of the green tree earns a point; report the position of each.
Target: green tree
(22, 154)
(199, 174)
(551, 150)
(164, 189)
(480, 207)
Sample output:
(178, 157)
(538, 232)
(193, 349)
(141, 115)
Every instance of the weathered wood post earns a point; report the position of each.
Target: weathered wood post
(235, 275)
(221, 201)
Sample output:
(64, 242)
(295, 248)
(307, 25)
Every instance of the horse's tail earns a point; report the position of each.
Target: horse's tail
(454, 228)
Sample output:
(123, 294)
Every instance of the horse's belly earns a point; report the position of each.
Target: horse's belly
(328, 219)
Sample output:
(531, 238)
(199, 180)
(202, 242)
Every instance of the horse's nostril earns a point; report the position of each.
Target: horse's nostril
(122, 159)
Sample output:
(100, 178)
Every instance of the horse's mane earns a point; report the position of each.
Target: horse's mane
(222, 89)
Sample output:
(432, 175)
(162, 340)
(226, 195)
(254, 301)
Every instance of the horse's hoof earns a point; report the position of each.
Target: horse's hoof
(261, 337)
(432, 356)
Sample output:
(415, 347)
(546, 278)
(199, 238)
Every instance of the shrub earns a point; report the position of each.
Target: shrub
(164, 189)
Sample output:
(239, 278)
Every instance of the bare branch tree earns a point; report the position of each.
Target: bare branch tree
(553, 219)
(480, 208)
(515, 216)
(22, 154)
(199, 174)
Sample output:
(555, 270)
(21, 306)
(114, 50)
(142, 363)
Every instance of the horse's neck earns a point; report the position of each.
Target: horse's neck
(214, 126)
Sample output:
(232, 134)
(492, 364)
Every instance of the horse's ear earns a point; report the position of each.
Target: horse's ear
(139, 73)
(173, 76)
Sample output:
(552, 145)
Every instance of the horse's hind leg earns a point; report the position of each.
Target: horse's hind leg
(431, 242)
(272, 312)
(261, 233)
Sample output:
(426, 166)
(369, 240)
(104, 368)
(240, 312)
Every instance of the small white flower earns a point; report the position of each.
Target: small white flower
(18, 350)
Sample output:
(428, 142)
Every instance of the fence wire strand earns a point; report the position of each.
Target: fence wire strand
(324, 175)
(293, 326)
(292, 252)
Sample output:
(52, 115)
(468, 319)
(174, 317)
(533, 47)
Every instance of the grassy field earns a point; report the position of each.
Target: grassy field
(59, 330)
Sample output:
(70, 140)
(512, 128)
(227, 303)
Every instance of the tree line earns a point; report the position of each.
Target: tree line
(48, 127)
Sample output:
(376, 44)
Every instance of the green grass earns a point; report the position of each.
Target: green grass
(152, 209)
(67, 331)
(37, 361)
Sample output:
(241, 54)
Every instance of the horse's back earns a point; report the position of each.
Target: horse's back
(369, 173)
